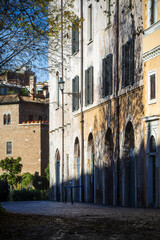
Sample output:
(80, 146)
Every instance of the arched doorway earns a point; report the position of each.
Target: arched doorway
(152, 179)
(77, 171)
(57, 175)
(129, 166)
(90, 170)
(109, 167)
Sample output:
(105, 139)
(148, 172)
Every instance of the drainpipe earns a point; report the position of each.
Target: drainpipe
(117, 114)
(82, 117)
(62, 101)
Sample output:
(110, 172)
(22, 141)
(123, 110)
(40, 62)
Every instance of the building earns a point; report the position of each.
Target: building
(151, 57)
(24, 131)
(106, 134)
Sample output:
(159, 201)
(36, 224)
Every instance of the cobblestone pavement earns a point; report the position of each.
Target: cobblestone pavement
(46, 220)
(79, 210)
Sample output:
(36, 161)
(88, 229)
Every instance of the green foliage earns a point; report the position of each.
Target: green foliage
(24, 92)
(25, 27)
(47, 172)
(28, 195)
(1, 209)
(40, 183)
(27, 179)
(12, 168)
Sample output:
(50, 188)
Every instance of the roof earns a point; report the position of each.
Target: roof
(4, 99)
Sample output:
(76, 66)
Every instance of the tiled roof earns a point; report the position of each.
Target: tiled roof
(16, 99)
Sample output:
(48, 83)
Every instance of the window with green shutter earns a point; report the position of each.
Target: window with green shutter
(107, 75)
(89, 86)
(90, 22)
(75, 38)
(75, 97)
(128, 63)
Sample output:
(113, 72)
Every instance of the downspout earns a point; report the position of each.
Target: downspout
(62, 102)
(82, 117)
(117, 113)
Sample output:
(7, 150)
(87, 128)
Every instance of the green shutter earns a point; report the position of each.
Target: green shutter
(86, 87)
(104, 77)
(76, 38)
(127, 64)
(131, 61)
(76, 90)
(123, 66)
(73, 39)
(90, 85)
(110, 74)
(73, 98)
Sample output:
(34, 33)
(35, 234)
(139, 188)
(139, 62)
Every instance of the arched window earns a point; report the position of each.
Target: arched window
(152, 145)
(9, 119)
(4, 119)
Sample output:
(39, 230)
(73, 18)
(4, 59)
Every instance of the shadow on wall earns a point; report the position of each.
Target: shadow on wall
(99, 186)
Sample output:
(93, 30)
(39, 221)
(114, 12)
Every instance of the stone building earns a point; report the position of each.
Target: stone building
(24, 131)
(151, 58)
(105, 132)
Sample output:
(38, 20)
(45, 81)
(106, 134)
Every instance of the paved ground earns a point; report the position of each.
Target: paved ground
(79, 210)
(46, 220)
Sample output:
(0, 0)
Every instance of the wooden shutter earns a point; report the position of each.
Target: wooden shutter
(90, 99)
(131, 61)
(76, 38)
(73, 98)
(86, 87)
(127, 64)
(110, 74)
(73, 39)
(76, 90)
(104, 77)
(123, 65)
(152, 87)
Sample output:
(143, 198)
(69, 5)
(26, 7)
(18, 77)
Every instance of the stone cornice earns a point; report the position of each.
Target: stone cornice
(151, 54)
(152, 28)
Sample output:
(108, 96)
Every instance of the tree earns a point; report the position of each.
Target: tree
(12, 168)
(27, 179)
(25, 27)
(47, 172)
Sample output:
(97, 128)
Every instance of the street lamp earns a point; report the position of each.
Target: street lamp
(61, 84)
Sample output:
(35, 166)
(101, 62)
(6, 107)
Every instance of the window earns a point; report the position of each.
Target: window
(108, 11)
(30, 118)
(67, 167)
(90, 23)
(152, 10)
(129, 3)
(89, 86)
(75, 38)
(152, 87)
(9, 148)
(6, 119)
(128, 63)
(107, 75)
(75, 98)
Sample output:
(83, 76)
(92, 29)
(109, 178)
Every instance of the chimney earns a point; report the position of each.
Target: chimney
(32, 86)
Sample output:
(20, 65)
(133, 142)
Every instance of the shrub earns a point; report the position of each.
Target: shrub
(4, 190)
(28, 195)
(27, 179)
(40, 183)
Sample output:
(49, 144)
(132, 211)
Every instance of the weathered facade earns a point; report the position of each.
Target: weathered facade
(151, 57)
(113, 169)
(23, 131)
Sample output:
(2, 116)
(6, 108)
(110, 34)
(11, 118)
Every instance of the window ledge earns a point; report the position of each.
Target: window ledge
(75, 53)
(152, 28)
(108, 26)
(90, 41)
(130, 87)
(153, 101)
